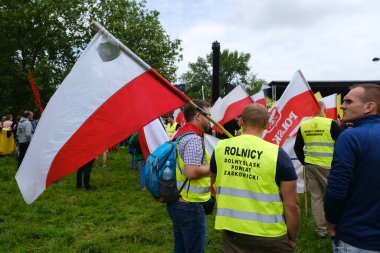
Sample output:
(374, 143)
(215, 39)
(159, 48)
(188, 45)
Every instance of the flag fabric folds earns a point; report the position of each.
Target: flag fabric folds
(230, 106)
(331, 106)
(259, 98)
(297, 102)
(35, 91)
(109, 94)
(152, 136)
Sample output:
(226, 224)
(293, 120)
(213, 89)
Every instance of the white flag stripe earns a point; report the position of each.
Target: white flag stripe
(155, 135)
(61, 119)
(330, 101)
(218, 110)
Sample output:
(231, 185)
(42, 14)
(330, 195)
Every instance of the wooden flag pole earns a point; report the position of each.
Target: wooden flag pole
(211, 119)
(305, 190)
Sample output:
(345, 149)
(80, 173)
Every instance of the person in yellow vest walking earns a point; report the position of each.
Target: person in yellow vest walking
(314, 148)
(188, 213)
(172, 126)
(256, 195)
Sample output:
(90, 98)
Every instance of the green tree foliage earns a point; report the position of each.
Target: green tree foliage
(47, 36)
(234, 70)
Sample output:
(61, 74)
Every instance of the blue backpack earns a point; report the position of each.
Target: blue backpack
(163, 190)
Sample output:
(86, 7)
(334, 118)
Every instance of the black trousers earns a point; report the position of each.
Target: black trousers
(22, 148)
(84, 172)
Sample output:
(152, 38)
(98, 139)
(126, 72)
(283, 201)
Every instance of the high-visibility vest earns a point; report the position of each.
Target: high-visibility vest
(319, 145)
(170, 129)
(248, 198)
(197, 190)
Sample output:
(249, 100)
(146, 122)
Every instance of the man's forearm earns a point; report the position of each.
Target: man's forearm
(197, 171)
(292, 219)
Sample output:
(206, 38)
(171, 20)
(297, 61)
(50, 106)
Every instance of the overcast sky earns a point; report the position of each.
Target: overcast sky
(327, 40)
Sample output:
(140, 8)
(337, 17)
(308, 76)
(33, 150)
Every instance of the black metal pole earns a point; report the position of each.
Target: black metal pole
(215, 71)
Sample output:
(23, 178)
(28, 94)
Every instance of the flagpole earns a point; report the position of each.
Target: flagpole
(211, 119)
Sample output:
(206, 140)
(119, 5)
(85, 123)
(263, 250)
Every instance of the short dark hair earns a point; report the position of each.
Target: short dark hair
(255, 115)
(26, 114)
(371, 93)
(189, 111)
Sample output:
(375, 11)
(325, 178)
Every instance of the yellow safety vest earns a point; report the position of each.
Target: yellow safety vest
(170, 129)
(319, 145)
(248, 198)
(198, 190)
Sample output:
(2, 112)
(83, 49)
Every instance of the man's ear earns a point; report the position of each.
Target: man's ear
(370, 108)
(197, 116)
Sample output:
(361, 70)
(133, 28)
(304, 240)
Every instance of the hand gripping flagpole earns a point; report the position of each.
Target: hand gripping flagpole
(97, 27)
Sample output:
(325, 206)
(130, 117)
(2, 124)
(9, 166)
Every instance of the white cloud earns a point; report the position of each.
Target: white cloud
(327, 40)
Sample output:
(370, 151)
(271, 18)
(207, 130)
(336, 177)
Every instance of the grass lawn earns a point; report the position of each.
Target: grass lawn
(117, 218)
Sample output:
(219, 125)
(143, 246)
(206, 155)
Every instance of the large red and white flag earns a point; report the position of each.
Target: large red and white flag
(297, 102)
(152, 136)
(109, 94)
(230, 106)
(331, 106)
(259, 98)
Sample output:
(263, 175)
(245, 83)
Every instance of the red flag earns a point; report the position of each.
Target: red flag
(109, 94)
(331, 106)
(152, 136)
(179, 117)
(230, 107)
(259, 98)
(297, 102)
(35, 91)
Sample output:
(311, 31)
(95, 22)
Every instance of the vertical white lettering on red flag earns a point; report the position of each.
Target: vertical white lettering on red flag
(296, 102)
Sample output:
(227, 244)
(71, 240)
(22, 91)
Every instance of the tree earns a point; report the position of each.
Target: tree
(47, 36)
(234, 71)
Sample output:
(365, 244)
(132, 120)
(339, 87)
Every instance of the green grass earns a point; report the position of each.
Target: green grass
(117, 218)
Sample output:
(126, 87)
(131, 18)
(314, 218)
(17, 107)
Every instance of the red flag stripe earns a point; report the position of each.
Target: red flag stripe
(133, 106)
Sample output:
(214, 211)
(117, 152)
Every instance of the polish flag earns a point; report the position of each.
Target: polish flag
(259, 98)
(179, 117)
(109, 94)
(152, 136)
(297, 102)
(331, 106)
(230, 106)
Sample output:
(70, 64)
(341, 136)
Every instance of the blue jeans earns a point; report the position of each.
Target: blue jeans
(189, 227)
(342, 247)
(142, 175)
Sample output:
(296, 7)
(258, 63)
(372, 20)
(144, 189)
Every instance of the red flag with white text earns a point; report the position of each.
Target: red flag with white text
(297, 102)
(109, 94)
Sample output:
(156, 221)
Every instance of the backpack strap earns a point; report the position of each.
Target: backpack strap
(203, 156)
(176, 142)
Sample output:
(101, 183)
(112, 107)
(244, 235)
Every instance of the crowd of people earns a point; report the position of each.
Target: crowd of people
(254, 181)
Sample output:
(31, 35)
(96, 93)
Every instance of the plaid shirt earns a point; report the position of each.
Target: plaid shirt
(191, 150)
